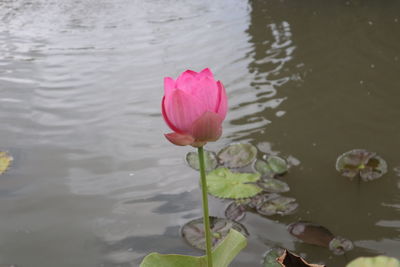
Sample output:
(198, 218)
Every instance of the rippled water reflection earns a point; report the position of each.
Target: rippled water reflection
(95, 183)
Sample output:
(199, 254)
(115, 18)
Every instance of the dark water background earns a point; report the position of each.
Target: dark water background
(94, 183)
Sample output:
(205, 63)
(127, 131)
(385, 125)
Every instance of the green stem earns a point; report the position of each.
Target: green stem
(206, 217)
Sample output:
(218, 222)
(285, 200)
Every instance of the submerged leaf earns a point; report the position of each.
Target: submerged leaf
(274, 165)
(237, 155)
(222, 255)
(223, 183)
(193, 231)
(291, 260)
(273, 185)
(361, 162)
(277, 205)
(210, 160)
(315, 234)
(311, 233)
(235, 211)
(5, 161)
(340, 245)
(271, 256)
(378, 261)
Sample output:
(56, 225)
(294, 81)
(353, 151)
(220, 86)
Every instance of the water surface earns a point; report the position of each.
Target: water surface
(94, 183)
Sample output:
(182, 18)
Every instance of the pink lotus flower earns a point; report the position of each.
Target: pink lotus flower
(194, 107)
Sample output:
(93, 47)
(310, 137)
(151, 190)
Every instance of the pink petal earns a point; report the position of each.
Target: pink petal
(182, 110)
(166, 119)
(207, 73)
(207, 127)
(186, 81)
(179, 139)
(169, 85)
(222, 101)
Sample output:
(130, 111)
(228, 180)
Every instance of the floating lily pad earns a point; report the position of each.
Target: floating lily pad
(278, 205)
(257, 200)
(273, 185)
(340, 245)
(273, 165)
(235, 211)
(289, 259)
(378, 261)
(397, 170)
(311, 233)
(237, 155)
(5, 161)
(361, 162)
(193, 231)
(210, 160)
(223, 183)
(271, 256)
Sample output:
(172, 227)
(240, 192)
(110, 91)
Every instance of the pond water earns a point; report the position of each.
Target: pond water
(94, 182)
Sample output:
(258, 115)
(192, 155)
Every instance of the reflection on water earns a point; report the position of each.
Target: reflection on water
(80, 90)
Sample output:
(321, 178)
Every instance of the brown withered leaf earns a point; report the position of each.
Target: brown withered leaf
(289, 259)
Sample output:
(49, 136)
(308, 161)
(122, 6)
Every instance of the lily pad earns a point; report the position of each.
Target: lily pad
(273, 185)
(5, 161)
(340, 245)
(289, 259)
(378, 261)
(271, 256)
(311, 233)
(222, 255)
(223, 183)
(193, 231)
(278, 205)
(361, 162)
(273, 165)
(210, 160)
(237, 155)
(257, 200)
(235, 211)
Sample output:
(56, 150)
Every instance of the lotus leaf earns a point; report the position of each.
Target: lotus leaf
(311, 233)
(378, 261)
(361, 162)
(193, 231)
(278, 205)
(237, 155)
(271, 256)
(235, 211)
(223, 183)
(274, 165)
(289, 259)
(340, 245)
(273, 185)
(210, 160)
(222, 255)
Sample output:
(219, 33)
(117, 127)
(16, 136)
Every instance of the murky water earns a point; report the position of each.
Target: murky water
(94, 183)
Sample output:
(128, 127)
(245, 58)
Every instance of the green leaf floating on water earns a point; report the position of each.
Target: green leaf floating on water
(379, 261)
(270, 257)
(274, 165)
(340, 245)
(361, 162)
(277, 205)
(237, 155)
(273, 185)
(210, 160)
(223, 255)
(193, 231)
(235, 211)
(5, 161)
(223, 183)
